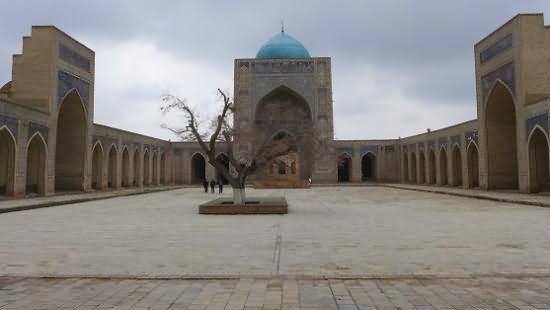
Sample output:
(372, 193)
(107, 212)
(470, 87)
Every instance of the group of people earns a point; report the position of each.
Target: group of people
(212, 184)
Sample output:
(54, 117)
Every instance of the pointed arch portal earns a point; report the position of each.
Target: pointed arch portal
(70, 147)
(539, 159)
(36, 165)
(501, 131)
(7, 162)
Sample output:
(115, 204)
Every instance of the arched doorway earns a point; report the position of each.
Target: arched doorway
(443, 167)
(224, 160)
(70, 146)
(539, 170)
(344, 168)
(421, 168)
(368, 167)
(162, 169)
(284, 110)
(112, 168)
(198, 167)
(457, 166)
(146, 167)
(405, 168)
(473, 166)
(36, 165)
(97, 166)
(155, 169)
(137, 167)
(125, 168)
(413, 176)
(7, 162)
(500, 124)
(431, 167)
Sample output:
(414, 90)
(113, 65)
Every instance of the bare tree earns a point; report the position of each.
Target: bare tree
(222, 134)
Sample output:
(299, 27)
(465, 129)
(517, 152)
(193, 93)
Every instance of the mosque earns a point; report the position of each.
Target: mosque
(49, 142)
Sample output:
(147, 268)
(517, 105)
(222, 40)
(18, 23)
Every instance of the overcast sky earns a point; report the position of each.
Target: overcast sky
(399, 67)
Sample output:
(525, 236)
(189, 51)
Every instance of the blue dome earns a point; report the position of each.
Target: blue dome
(282, 46)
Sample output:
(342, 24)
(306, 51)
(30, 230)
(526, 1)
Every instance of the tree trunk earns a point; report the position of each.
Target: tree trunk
(239, 196)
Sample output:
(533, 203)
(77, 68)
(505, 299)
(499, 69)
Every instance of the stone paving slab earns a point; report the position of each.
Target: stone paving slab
(338, 232)
(540, 200)
(246, 293)
(21, 204)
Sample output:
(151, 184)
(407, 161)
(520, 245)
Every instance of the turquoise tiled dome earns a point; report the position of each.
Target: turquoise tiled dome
(282, 46)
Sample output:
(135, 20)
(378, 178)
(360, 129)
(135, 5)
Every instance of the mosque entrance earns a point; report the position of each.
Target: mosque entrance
(344, 168)
(70, 149)
(368, 167)
(539, 162)
(198, 166)
(500, 124)
(285, 112)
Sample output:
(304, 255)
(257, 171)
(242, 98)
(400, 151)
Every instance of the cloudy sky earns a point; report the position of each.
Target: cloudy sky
(399, 66)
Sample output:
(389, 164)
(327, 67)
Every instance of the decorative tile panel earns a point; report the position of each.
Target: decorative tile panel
(11, 123)
(389, 149)
(541, 120)
(369, 148)
(74, 58)
(456, 139)
(345, 150)
(404, 148)
(505, 73)
(35, 127)
(283, 67)
(443, 142)
(471, 136)
(67, 82)
(106, 142)
(497, 48)
(431, 144)
(420, 146)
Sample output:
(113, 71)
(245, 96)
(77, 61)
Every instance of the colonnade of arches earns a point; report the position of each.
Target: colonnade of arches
(71, 138)
(368, 171)
(442, 167)
(134, 170)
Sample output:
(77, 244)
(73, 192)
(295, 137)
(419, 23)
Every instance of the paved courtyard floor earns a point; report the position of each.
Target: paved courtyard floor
(403, 294)
(330, 232)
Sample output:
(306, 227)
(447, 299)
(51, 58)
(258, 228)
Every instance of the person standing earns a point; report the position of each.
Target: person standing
(220, 186)
(212, 185)
(205, 185)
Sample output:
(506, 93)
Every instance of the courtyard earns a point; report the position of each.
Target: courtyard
(330, 232)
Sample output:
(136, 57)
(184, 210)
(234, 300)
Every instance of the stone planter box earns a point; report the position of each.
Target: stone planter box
(254, 205)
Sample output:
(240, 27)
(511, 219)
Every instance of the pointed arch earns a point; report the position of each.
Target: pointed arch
(198, 168)
(126, 181)
(413, 177)
(473, 164)
(539, 160)
(431, 167)
(443, 178)
(283, 90)
(8, 147)
(368, 167)
(421, 168)
(112, 167)
(163, 180)
(155, 180)
(71, 140)
(405, 169)
(146, 168)
(136, 176)
(456, 163)
(37, 151)
(97, 165)
(344, 167)
(501, 138)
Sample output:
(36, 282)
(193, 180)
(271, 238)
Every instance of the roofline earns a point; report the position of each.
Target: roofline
(505, 24)
(64, 33)
(131, 132)
(278, 59)
(441, 129)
